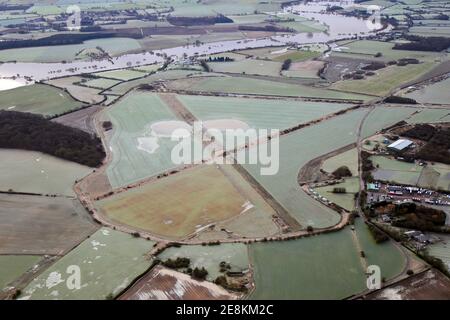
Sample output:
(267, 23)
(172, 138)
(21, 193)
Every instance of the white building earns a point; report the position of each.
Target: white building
(400, 145)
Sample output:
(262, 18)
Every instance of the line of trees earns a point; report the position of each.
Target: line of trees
(434, 44)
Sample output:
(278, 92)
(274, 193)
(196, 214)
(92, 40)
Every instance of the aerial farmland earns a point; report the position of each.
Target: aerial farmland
(224, 150)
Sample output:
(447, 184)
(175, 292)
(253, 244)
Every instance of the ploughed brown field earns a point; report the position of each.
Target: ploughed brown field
(165, 284)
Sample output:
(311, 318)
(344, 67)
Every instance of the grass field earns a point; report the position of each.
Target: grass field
(12, 267)
(435, 93)
(296, 150)
(302, 146)
(42, 225)
(100, 83)
(149, 68)
(304, 69)
(435, 176)
(383, 117)
(441, 250)
(114, 46)
(259, 113)
(109, 261)
(347, 200)
(322, 267)
(430, 115)
(385, 255)
(132, 118)
(348, 158)
(241, 85)
(81, 93)
(179, 205)
(396, 171)
(166, 75)
(248, 66)
(367, 49)
(385, 79)
(297, 56)
(38, 98)
(35, 172)
(210, 257)
(123, 75)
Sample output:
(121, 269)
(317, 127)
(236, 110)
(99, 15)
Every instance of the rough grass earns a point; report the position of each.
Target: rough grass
(42, 225)
(179, 205)
(35, 172)
(12, 267)
(38, 98)
(109, 261)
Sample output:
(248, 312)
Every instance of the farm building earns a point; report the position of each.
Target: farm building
(400, 145)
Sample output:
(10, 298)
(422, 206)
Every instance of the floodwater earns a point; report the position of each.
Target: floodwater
(340, 27)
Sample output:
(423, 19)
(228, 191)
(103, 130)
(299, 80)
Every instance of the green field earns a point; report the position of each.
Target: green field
(430, 116)
(396, 171)
(100, 83)
(435, 176)
(322, 267)
(211, 8)
(123, 75)
(434, 93)
(367, 49)
(296, 150)
(259, 113)
(109, 261)
(441, 250)
(13, 267)
(383, 117)
(131, 119)
(180, 205)
(297, 56)
(241, 85)
(149, 68)
(114, 46)
(385, 79)
(124, 87)
(385, 255)
(34, 172)
(248, 66)
(210, 257)
(347, 200)
(38, 98)
(430, 31)
(348, 158)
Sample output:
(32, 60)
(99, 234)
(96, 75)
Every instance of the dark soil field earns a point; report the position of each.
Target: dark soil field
(81, 119)
(42, 225)
(338, 66)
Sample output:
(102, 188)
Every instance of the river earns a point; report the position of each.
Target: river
(339, 27)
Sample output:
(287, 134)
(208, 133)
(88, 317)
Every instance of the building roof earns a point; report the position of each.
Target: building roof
(372, 186)
(400, 144)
